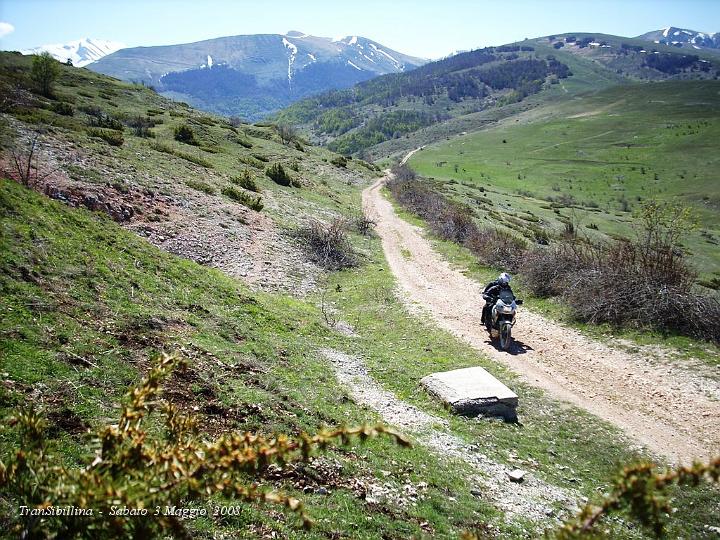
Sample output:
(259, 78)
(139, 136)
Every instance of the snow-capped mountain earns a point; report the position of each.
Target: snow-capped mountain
(682, 37)
(81, 52)
(254, 75)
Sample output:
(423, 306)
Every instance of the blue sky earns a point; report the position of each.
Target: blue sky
(429, 29)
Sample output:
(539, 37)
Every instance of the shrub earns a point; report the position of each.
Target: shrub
(249, 160)
(286, 133)
(206, 120)
(339, 161)
(644, 282)
(452, 221)
(496, 248)
(183, 155)
(254, 203)
(328, 245)
(112, 137)
(141, 125)
(545, 271)
(362, 223)
(235, 121)
(278, 175)
(200, 186)
(99, 118)
(142, 465)
(402, 173)
(62, 108)
(246, 181)
(185, 134)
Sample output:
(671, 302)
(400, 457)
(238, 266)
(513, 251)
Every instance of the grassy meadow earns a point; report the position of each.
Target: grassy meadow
(594, 160)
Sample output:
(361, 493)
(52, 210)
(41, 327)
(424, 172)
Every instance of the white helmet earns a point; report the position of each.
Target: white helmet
(504, 278)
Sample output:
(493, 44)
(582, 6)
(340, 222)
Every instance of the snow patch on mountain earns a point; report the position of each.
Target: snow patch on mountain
(681, 37)
(353, 65)
(392, 59)
(81, 52)
(293, 53)
(352, 40)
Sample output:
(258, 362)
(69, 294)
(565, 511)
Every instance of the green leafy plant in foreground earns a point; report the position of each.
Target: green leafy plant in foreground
(643, 491)
(142, 468)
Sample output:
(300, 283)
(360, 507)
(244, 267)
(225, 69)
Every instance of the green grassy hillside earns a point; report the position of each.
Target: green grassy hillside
(80, 319)
(84, 306)
(594, 159)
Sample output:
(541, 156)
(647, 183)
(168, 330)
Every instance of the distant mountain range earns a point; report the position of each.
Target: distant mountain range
(81, 52)
(682, 37)
(254, 75)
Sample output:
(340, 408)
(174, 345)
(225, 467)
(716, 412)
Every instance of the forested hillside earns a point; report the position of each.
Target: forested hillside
(455, 94)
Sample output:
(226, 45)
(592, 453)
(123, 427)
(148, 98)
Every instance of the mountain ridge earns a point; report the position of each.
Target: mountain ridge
(253, 75)
(683, 38)
(81, 51)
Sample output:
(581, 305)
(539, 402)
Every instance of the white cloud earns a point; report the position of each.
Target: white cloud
(6, 28)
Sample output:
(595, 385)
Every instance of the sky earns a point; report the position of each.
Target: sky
(428, 29)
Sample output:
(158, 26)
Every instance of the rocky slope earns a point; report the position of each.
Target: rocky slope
(172, 193)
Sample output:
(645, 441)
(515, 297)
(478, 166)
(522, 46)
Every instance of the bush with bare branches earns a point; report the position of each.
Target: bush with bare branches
(497, 248)
(328, 244)
(454, 221)
(362, 223)
(26, 164)
(644, 282)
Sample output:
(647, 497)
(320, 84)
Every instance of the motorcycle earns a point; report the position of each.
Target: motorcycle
(502, 317)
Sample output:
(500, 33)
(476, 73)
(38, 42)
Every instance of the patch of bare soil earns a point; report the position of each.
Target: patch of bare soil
(531, 499)
(671, 409)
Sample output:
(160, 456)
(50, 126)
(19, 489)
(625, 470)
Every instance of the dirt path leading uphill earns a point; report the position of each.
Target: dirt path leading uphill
(673, 410)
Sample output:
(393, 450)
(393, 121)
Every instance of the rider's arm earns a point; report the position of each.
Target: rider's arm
(489, 286)
(492, 289)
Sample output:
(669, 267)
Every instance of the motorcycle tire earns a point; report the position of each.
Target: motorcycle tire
(505, 337)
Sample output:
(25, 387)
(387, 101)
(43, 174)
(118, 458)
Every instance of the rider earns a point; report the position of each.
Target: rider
(492, 293)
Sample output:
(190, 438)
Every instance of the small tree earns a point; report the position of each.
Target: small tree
(26, 161)
(185, 134)
(287, 133)
(45, 69)
(278, 175)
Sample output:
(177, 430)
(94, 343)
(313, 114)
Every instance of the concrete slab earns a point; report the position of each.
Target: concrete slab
(472, 392)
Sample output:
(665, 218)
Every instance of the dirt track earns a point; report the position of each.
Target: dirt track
(671, 409)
